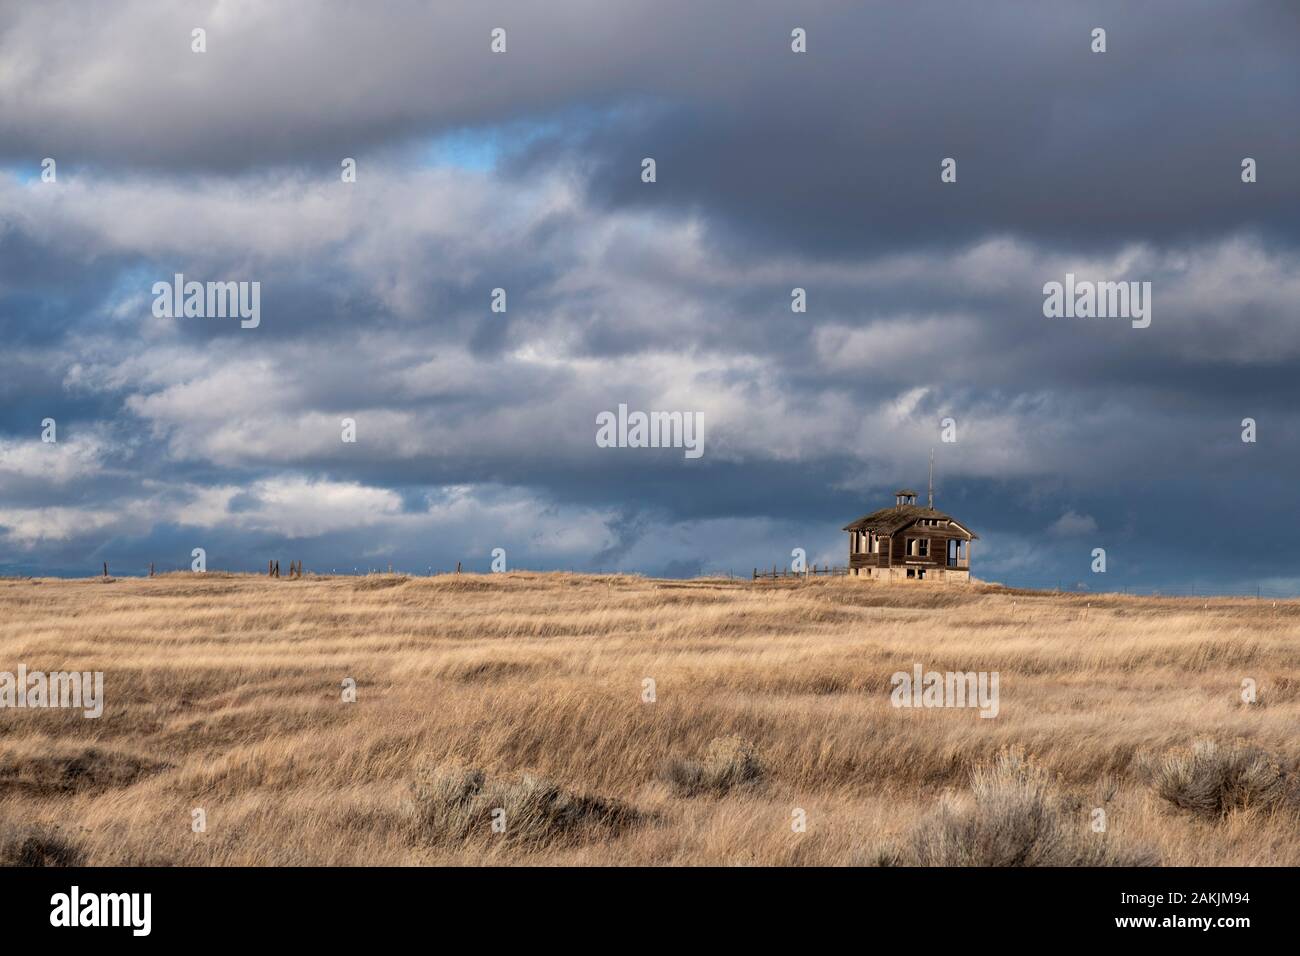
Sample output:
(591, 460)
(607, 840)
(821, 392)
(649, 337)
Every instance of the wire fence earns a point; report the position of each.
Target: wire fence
(1260, 591)
(812, 570)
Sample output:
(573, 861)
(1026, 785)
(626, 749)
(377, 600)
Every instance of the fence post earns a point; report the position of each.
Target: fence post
(105, 569)
(150, 569)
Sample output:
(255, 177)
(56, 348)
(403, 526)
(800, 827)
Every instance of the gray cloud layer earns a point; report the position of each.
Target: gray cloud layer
(776, 170)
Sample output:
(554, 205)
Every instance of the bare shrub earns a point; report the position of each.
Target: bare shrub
(1014, 816)
(30, 845)
(1211, 780)
(728, 762)
(454, 804)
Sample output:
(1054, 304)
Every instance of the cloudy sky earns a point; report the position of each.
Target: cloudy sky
(774, 170)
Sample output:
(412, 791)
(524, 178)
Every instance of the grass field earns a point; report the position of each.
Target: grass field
(527, 693)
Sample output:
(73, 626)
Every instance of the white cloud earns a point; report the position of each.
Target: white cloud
(1071, 525)
(27, 527)
(896, 347)
(54, 463)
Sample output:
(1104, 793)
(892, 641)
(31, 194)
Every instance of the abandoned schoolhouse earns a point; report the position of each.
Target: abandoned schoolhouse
(909, 542)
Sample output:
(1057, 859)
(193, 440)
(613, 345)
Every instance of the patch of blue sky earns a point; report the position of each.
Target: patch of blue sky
(480, 148)
(25, 173)
(473, 149)
(130, 296)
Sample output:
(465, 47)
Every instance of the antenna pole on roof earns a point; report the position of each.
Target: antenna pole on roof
(931, 478)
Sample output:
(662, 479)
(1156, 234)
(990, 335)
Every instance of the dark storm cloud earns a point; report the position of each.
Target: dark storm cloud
(838, 148)
(839, 151)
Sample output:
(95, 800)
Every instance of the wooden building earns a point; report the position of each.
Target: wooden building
(910, 542)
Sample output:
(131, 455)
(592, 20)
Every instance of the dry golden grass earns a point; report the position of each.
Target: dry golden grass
(223, 692)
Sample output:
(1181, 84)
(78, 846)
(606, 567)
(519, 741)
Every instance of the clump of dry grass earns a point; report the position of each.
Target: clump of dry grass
(728, 762)
(31, 845)
(379, 582)
(1212, 780)
(44, 767)
(1014, 816)
(455, 804)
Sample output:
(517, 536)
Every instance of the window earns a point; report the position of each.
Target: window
(911, 572)
(918, 547)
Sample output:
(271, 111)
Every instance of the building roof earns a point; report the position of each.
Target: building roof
(906, 492)
(898, 517)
